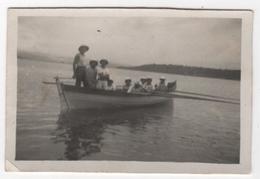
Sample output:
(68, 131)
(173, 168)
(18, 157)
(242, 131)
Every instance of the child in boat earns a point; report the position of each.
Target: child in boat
(143, 81)
(79, 66)
(128, 84)
(149, 87)
(110, 86)
(137, 88)
(91, 74)
(103, 74)
(162, 85)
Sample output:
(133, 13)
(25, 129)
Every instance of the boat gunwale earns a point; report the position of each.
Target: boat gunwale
(83, 90)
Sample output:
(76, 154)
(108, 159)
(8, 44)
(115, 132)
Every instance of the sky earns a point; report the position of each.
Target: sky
(204, 42)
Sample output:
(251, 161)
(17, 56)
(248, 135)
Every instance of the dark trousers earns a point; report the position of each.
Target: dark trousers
(81, 76)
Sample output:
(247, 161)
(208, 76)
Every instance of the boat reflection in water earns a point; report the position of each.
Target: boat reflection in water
(87, 132)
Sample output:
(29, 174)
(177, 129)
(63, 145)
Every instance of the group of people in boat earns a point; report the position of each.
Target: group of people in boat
(96, 75)
(89, 72)
(145, 85)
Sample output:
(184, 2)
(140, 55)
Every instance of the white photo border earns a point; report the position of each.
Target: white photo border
(130, 166)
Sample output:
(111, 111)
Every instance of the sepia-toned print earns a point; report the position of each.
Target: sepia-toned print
(148, 88)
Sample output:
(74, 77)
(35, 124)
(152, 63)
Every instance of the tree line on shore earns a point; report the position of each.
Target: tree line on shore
(188, 70)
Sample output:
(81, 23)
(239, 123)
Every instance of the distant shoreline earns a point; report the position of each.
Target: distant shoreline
(188, 71)
(41, 57)
(160, 68)
(49, 58)
(44, 61)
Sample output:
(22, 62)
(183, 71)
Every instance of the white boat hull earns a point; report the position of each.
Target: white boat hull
(86, 101)
(72, 97)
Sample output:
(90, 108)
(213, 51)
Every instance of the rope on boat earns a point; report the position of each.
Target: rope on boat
(61, 93)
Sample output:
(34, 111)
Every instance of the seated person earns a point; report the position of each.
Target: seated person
(149, 87)
(136, 88)
(143, 81)
(128, 84)
(110, 86)
(162, 85)
(91, 74)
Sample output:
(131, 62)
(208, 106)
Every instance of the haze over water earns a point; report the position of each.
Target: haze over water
(182, 131)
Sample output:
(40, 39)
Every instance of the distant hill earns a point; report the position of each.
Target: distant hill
(37, 56)
(188, 70)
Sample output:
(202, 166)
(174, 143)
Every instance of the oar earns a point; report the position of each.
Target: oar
(207, 99)
(66, 78)
(54, 83)
(194, 97)
(49, 83)
(206, 95)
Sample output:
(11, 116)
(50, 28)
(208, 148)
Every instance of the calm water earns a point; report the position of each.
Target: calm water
(182, 131)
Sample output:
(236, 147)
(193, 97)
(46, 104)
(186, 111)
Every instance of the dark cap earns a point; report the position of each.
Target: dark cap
(93, 62)
(103, 61)
(83, 48)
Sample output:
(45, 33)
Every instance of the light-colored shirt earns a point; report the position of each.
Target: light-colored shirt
(148, 87)
(103, 73)
(81, 60)
(133, 89)
(127, 87)
(110, 88)
(143, 84)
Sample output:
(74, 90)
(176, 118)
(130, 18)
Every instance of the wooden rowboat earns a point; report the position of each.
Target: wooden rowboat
(72, 97)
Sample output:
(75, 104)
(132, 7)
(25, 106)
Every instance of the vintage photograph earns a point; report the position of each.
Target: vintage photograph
(128, 88)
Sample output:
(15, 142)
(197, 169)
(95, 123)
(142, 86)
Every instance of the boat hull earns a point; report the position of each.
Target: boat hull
(72, 97)
(79, 101)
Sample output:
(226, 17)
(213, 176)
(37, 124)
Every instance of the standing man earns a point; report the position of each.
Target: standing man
(79, 66)
(103, 74)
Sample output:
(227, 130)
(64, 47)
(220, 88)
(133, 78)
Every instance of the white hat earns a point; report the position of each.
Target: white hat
(127, 78)
(162, 77)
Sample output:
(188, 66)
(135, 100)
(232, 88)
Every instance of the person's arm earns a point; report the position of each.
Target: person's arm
(75, 62)
(130, 89)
